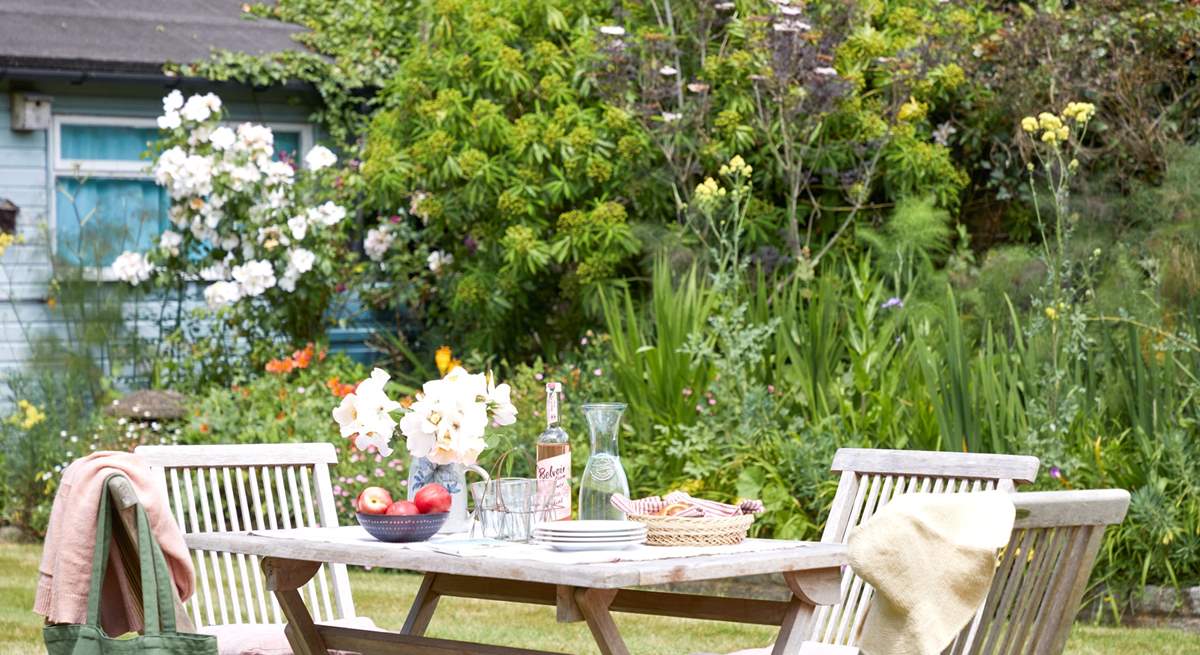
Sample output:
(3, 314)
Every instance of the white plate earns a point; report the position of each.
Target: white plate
(588, 535)
(590, 527)
(622, 533)
(598, 540)
(578, 548)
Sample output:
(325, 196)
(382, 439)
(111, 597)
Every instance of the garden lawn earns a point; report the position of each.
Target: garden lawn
(385, 597)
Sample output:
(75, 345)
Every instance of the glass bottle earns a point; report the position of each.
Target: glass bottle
(554, 456)
(604, 475)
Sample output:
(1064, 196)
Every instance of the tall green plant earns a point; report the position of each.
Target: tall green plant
(652, 371)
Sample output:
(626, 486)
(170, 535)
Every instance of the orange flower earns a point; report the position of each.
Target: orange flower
(302, 358)
(444, 358)
(337, 388)
(203, 428)
(280, 366)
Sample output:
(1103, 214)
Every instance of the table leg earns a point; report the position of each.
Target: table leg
(594, 604)
(809, 589)
(284, 578)
(423, 607)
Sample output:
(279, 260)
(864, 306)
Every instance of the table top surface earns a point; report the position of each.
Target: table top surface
(345, 545)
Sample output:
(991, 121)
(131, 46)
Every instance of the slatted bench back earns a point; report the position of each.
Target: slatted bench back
(871, 478)
(1043, 573)
(250, 487)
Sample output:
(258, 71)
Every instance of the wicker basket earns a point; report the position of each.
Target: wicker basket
(681, 531)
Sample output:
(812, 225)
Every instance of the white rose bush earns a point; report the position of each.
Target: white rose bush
(445, 424)
(247, 224)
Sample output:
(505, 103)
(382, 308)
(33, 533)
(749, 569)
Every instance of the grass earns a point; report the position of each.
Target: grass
(385, 596)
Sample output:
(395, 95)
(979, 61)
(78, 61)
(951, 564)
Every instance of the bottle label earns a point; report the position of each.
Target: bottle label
(552, 390)
(558, 468)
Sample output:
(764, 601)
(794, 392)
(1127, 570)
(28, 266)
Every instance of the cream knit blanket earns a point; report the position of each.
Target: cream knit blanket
(930, 559)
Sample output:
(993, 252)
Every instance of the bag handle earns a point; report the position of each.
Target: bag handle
(156, 578)
(99, 556)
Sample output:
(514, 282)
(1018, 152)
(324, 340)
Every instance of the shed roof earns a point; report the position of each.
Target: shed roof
(130, 36)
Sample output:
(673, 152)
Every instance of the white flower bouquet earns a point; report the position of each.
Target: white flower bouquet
(445, 424)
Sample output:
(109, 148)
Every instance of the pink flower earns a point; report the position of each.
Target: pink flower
(583, 341)
(598, 372)
(770, 388)
(379, 473)
(712, 401)
(361, 478)
(378, 458)
(337, 490)
(687, 391)
(538, 376)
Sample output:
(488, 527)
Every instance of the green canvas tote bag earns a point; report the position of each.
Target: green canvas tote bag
(158, 603)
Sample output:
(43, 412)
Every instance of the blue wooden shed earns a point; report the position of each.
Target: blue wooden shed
(81, 84)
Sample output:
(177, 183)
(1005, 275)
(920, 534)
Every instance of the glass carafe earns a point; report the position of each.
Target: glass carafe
(604, 475)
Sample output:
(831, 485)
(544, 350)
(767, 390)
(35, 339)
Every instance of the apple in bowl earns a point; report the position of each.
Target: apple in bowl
(400, 521)
(373, 500)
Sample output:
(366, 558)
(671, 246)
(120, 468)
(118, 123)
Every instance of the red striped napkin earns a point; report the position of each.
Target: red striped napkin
(698, 507)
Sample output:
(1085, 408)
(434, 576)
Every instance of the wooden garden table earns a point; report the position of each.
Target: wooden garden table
(580, 592)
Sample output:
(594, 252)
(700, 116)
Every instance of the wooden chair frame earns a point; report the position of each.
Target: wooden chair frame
(250, 487)
(870, 478)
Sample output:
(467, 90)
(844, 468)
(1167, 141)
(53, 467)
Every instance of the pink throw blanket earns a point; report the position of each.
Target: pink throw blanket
(66, 569)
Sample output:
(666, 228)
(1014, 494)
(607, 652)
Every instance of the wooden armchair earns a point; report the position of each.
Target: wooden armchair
(870, 478)
(1041, 578)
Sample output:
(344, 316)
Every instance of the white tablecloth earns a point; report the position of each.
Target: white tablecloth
(462, 545)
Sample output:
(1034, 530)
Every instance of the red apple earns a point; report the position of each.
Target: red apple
(402, 507)
(373, 500)
(432, 499)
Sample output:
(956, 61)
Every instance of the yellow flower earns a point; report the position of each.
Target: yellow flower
(1050, 136)
(1029, 124)
(6, 240)
(1080, 112)
(736, 166)
(1049, 121)
(1052, 313)
(912, 110)
(1063, 133)
(444, 358)
(27, 415)
(708, 193)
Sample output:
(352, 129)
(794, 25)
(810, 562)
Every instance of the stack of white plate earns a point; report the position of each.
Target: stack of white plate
(590, 535)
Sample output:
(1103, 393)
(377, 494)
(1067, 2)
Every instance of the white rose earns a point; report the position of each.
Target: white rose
(196, 109)
(172, 102)
(213, 102)
(220, 294)
(170, 242)
(301, 260)
(288, 282)
(132, 267)
(319, 157)
(439, 259)
(378, 242)
(222, 138)
(299, 227)
(254, 277)
(328, 214)
(169, 121)
(278, 172)
(257, 139)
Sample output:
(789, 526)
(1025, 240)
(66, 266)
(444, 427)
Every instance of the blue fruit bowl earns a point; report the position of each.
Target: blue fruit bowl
(402, 528)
